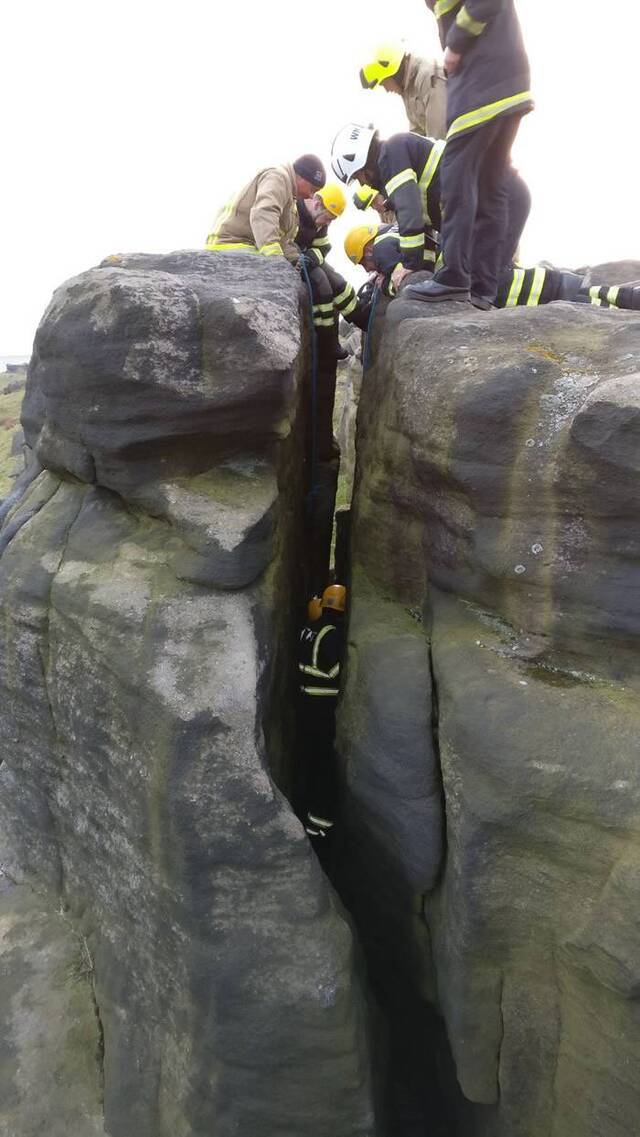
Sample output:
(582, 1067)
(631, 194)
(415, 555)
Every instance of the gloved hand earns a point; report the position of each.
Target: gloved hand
(309, 260)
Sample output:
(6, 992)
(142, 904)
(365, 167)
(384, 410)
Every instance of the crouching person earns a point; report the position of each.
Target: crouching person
(263, 217)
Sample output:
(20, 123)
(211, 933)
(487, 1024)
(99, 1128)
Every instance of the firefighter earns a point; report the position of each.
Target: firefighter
(421, 83)
(263, 218)
(406, 168)
(333, 296)
(487, 95)
(377, 248)
(320, 660)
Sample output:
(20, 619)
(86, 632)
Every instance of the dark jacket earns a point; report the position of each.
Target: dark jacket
(309, 239)
(319, 660)
(493, 76)
(408, 174)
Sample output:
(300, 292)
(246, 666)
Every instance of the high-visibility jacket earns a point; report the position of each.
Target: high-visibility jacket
(262, 217)
(493, 75)
(315, 242)
(319, 660)
(408, 175)
(387, 253)
(424, 94)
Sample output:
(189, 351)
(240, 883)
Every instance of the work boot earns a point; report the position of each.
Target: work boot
(434, 291)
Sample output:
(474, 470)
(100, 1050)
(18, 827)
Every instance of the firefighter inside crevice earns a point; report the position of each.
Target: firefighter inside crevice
(321, 651)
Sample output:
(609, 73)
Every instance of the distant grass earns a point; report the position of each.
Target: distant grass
(10, 407)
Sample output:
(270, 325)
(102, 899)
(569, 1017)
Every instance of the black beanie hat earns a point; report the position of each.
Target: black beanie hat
(311, 169)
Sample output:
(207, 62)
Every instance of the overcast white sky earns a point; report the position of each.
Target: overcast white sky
(126, 124)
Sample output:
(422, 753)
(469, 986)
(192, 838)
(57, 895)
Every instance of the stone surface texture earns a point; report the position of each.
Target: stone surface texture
(490, 723)
(148, 560)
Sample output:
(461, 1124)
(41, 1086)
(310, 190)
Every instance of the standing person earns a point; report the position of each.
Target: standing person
(263, 217)
(319, 663)
(421, 83)
(487, 94)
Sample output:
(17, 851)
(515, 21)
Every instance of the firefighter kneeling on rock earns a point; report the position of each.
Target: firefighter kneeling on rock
(320, 660)
(377, 248)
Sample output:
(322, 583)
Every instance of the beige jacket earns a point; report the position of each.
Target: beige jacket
(263, 216)
(425, 96)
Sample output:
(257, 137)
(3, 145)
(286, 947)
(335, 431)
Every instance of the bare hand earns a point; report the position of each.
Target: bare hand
(398, 275)
(451, 61)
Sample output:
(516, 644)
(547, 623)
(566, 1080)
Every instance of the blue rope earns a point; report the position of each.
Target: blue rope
(314, 387)
(372, 312)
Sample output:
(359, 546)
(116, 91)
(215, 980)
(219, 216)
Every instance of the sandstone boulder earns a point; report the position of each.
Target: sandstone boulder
(492, 682)
(146, 578)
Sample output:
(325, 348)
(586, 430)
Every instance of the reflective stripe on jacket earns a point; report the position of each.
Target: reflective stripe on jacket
(409, 172)
(424, 94)
(321, 645)
(493, 75)
(263, 216)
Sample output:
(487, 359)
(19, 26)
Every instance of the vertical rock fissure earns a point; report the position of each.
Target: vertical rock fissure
(44, 651)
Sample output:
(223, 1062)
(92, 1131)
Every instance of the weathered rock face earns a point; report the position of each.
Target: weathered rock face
(147, 568)
(492, 692)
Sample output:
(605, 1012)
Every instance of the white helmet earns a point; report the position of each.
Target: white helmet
(350, 150)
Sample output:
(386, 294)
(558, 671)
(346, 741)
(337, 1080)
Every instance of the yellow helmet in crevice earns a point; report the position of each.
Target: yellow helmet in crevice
(384, 63)
(357, 240)
(333, 198)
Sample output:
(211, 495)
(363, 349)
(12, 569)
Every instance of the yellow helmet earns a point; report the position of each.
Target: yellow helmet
(356, 241)
(364, 196)
(314, 608)
(333, 198)
(335, 596)
(383, 63)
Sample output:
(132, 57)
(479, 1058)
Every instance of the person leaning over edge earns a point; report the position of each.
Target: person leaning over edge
(487, 95)
(333, 296)
(377, 249)
(421, 83)
(406, 168)
(263, 217)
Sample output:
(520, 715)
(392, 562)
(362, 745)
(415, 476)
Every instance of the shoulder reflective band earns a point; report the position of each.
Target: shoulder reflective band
(467, 22)
(416, 241)
(429, 173)
(394, 183)
(385, 237)
(273, 249)
(228, 245)
(537, 284)
(516, 288)
(444, 6)
(484, 114)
